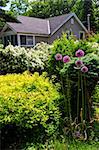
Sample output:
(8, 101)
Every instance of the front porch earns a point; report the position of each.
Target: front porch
(19, 40)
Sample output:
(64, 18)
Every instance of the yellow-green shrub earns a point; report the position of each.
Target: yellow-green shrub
(27, 100)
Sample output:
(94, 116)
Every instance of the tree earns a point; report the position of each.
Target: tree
(49, 8)
(19, 6)
(96, 14)
(3, 2)
(2, 12)
(5, 16)
(85, 7)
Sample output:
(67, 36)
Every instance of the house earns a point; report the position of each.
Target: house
(29, 30)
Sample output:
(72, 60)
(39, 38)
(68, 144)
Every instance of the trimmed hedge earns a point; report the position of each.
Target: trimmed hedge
(28, 101)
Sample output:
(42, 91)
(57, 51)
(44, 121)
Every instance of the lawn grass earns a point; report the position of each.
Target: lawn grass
(83, 146)
(66, 145)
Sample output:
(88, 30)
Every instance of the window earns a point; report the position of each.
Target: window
(7, 39)
(26, 40)
(29, 40)
(81, 35)
(23, 39)
(14, 40)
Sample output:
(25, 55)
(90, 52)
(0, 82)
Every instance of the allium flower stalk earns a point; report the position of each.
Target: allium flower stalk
(84, 69)
(66, 94)
(80, 53)
(58, 57)
(66, 59)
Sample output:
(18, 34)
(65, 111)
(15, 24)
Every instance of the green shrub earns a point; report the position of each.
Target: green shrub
(88, 47)
(29, 101)
(64, 46)
(96, 94)
(69, 47)
(94, 38)
(91, 60)
(18, 59)
(91, 77)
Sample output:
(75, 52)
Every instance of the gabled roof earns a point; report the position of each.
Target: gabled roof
(34, 25)
(41, 26)
(57, 21)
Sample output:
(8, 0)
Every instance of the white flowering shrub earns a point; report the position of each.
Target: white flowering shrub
(38, 56)
(1, 46)
(18, 59)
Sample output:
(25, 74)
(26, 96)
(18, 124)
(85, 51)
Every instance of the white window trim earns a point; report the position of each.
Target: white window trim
(83, 34)
(18, 39)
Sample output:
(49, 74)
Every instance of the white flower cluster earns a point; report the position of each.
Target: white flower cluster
(18, 59)
(94, 46)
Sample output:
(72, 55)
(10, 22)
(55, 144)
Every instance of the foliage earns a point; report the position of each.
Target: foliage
(64, 46)
(4, 15)
(3, 2)
(88, 9)
(29, 101)
(42, 9)
(64, 144)
(88, 46)
(39, 56)
(18, 59)
(82, 8)
(91, 60)
(69, 47)
(95, 96)
(81, 128)
(94, 38)
(19, 6)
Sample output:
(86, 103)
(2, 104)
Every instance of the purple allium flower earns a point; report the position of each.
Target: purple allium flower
(78, 63)
(66, 59)
(58, 57)
(84, 69)
(80, 53)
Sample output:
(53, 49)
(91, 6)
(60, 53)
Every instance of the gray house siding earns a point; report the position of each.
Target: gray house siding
(75, 29)
(39, 39)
